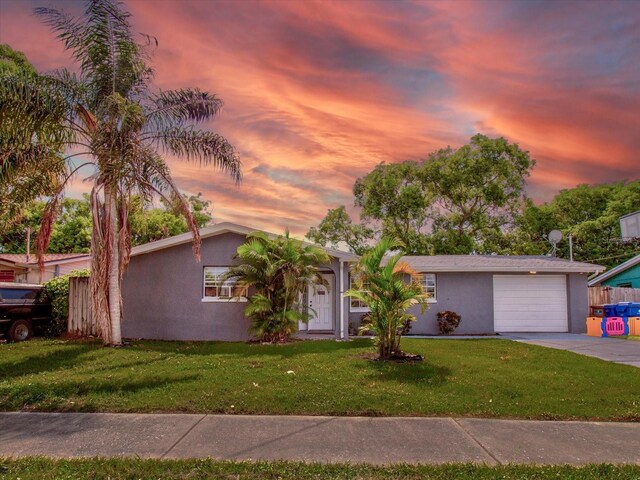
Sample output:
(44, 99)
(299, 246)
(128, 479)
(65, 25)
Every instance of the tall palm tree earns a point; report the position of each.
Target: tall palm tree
(280, 270)
(389, 287)
(122, 128)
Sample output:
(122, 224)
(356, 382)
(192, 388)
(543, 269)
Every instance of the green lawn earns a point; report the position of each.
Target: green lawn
(484, 378)
(47, 469)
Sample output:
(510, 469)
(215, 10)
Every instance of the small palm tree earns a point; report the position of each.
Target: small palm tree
(112, 117)
(389, 288)
(280, 270)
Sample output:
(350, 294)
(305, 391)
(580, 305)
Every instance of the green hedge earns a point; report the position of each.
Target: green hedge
(57, 289)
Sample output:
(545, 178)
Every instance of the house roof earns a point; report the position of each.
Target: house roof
(498, 263)
(219, 229)
(49, 258)
(615, 271)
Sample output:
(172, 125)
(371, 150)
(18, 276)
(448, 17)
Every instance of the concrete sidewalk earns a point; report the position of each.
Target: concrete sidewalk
(617, 350)
(318, 439)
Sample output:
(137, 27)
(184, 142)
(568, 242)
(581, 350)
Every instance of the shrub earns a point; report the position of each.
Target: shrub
(57, 290)
(280, 269)
(448, 321)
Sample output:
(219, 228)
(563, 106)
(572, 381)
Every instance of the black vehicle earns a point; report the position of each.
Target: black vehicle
(24, 309)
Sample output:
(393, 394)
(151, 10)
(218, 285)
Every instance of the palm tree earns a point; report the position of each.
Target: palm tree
(381, 283)
(28, 130)
(280, 270)
(121, 128)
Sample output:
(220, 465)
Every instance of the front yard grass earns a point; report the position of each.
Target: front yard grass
(482, 378)
(111, 469)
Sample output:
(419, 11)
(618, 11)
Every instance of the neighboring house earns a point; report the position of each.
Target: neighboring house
(626, 274)
(21, 268)
(168, 295)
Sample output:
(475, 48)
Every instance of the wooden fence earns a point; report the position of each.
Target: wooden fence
(80, 321)
(602, 295)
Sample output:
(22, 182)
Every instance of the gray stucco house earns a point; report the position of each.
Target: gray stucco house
(168, 295)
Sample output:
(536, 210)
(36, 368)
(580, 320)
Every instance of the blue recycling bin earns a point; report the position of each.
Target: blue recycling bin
(610, 310)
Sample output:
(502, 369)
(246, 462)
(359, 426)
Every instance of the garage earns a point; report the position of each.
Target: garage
(530, 303)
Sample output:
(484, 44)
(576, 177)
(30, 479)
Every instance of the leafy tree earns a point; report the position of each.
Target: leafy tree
(28, 130)
(590, 213)
(71, 232)
(394, 196)
(381, 284)
(120, 127)
(13, 62)
(337, 227)
(477, 189)
(280, 269)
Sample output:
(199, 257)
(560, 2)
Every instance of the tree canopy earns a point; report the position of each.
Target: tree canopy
(472, 199)
(71, 232)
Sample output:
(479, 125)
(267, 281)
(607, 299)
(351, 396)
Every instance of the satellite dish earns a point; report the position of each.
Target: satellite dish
(554, 237)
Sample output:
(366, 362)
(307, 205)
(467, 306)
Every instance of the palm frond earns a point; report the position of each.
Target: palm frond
(173, 108)
(206, 147)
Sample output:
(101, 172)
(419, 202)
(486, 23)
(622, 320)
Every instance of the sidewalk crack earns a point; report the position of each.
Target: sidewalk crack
(182, 436)
(476, 441)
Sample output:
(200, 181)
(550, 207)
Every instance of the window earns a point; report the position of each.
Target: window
(428, 282)
(357, 305)
(625, 285)
(216, 290)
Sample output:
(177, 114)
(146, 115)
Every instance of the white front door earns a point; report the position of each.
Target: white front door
(530, 303)
(321, 305)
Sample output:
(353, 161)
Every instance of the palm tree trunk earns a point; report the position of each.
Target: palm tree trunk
(114, 266)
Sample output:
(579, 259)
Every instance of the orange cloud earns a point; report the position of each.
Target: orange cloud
(318, 92)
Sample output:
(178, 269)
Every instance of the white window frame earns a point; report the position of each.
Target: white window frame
(429, 289)
(357, 309)
(230, 283)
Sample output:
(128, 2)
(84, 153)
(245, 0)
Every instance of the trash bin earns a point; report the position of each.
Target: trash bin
(597, 311)
(609, 310)
(622, 309)
(634, 309)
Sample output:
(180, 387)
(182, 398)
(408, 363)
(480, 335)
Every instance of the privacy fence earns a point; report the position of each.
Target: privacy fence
(602, 295)
(80, 322)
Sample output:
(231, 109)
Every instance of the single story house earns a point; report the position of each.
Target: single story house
(23, 268)
(168, 295)
(626, 274)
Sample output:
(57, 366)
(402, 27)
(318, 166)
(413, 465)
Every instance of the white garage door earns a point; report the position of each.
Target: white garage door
(530, 303)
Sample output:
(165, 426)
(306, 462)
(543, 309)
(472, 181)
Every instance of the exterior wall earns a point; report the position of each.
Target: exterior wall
(578, 302)
(35, 276)
(471, 295)
(468, 294)
(65, 268)
(162, 294)
(631, 275)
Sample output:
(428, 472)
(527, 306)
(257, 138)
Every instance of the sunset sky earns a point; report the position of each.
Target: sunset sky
(317, 93)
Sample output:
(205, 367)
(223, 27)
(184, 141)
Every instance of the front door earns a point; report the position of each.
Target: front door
(321, 306)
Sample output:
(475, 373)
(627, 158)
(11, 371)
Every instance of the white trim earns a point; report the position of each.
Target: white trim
(344, 331)
(224, 300)
(632, 262)
(358, 309)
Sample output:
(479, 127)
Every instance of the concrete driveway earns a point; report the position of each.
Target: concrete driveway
(626, 352)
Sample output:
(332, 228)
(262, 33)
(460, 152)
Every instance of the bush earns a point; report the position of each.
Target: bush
(448, 321)
(57, 290)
